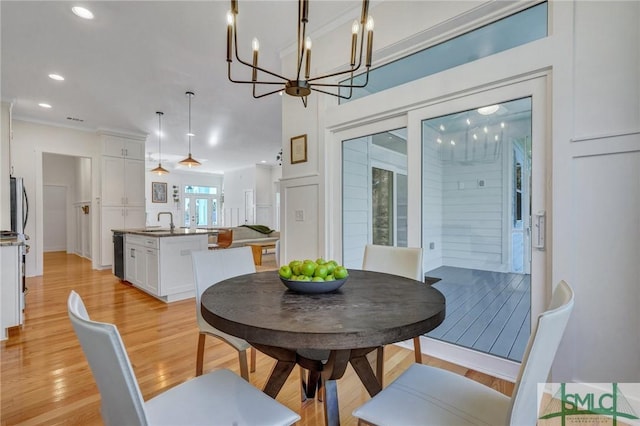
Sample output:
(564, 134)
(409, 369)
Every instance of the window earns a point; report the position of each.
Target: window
(514, 30)
(201, 206)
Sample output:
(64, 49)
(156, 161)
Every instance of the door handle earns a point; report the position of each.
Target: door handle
(540, 229)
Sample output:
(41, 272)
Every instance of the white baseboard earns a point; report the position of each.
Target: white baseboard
(489, 364)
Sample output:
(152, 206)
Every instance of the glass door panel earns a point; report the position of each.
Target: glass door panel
(374, 193)
(200, 206)
(476, 224)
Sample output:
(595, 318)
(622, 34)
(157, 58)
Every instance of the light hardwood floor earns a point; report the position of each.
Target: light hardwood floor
(46, 380)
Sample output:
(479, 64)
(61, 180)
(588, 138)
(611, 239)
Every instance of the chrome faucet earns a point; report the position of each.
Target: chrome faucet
(171, 225)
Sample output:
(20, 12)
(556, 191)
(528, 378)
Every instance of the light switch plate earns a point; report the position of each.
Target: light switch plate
(299, 215)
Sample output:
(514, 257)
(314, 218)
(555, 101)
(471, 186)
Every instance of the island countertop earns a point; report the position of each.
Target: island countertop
(14, 241)
(166, 232)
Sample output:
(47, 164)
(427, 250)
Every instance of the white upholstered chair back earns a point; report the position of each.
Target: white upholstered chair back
(402, 261)
(212, 266)
(122, 402)
(539, 355)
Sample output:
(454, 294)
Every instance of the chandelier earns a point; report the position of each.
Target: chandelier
(302, 85)
(160, 170)
(190, 161)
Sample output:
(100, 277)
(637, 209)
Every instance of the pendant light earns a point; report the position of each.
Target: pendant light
(190, 161)
(160, 170)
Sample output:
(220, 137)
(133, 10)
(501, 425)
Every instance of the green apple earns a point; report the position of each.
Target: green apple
(340, 272)
(285, 272)
(317, 279)
(321, 271)
(295, 266)
(320, 261)
(308, 268)
(330, 278)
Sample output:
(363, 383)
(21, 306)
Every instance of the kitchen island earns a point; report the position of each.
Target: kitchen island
(158, 260)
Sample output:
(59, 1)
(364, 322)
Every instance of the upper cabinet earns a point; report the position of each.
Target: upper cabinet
(116, 146)
(122, 189)
(122, 182)
(122, 171)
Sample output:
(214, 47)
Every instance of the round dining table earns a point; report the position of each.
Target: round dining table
(370, 310)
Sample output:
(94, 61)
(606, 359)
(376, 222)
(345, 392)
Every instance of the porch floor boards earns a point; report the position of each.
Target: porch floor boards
(486, 311)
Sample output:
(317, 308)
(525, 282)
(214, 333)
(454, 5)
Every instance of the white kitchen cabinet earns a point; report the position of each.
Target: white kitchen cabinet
(118, 146)
(122, 195)
(130, 266)
(152, 271)
(10, 288)
(122, 182)
(137, 263)
(161, 266)
(114, 217)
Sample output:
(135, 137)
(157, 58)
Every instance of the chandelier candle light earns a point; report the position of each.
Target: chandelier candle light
(302, 87)
(190, 161)
(160, 170)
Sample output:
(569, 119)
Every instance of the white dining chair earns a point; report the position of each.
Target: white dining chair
(277, 253)
(429, 395)
(403, 261)
(220, 397)
(209, 268)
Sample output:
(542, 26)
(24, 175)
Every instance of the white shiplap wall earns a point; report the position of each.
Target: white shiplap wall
(356, 201)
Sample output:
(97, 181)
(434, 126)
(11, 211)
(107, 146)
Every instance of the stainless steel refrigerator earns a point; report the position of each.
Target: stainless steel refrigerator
(19, 206)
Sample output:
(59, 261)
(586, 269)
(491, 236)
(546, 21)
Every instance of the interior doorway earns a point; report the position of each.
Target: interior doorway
(55, 221)
(66, 199)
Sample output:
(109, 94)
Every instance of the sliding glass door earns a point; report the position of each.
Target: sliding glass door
(374, 193)
(466, 181)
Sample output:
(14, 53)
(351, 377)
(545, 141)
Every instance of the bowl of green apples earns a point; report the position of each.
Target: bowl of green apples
(313, 277)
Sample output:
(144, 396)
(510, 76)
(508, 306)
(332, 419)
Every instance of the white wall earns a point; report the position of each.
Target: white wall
(356, 201)
(5, 165)
(264, 196)
(596, 238)
(432, 202)
(30, 142)
(592, 169)
(236, 182)
(276, 175)
(263, 182)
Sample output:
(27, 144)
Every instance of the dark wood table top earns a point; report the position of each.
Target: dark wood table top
(370, 309)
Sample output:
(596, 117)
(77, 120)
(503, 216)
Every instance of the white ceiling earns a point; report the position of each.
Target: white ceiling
(139, 57)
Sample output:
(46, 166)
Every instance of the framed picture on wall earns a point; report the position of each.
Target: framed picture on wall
(298, 149)
(158, 192)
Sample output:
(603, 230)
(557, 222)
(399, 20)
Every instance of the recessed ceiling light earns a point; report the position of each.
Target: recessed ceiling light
(57, 77)
(44, 105)
(263, 161)
(82, 12)
(488, 110)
